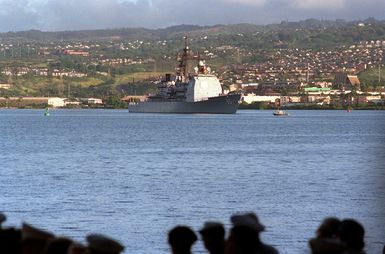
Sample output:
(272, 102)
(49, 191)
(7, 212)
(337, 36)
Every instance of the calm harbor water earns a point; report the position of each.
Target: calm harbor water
(135, 176)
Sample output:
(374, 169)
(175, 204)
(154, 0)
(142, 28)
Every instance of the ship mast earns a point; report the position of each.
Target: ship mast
(186, 52)
(182, 58)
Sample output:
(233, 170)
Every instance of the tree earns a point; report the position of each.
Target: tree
(115, 102)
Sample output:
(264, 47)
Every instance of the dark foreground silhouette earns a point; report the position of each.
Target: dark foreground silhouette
(334, 236)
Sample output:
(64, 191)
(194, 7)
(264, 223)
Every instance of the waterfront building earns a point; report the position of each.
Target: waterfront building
(94, 101)
(56, 102)
(345, 81)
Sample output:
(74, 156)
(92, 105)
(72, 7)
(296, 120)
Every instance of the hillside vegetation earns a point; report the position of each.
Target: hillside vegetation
(125, 61)
(310, 33)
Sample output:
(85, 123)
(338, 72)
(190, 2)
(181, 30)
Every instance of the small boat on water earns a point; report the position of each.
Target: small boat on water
(280, 113)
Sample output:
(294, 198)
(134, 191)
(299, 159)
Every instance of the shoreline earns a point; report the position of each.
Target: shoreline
(240, 108)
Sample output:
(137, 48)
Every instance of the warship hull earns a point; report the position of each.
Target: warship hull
(225, 104)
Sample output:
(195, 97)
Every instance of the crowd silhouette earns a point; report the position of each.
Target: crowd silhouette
(333, 236)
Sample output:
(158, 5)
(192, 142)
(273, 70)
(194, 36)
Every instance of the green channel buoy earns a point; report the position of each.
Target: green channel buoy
(46, 113)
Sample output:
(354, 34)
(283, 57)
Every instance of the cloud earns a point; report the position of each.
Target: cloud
(17, 15)
(93, 14)
(318, 4)
(246, 2)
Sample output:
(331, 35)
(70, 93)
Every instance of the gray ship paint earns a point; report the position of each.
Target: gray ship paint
(226, 104)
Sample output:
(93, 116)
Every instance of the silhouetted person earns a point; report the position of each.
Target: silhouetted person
(100, 244)
(181, 238)
(213, 236)
(2, 219)
(77, 248)
(326, 241)
(244, 236)
(10, 241)
(352, 234)
(329, 228)
(34, 239)
(10, 238)
(57, 246)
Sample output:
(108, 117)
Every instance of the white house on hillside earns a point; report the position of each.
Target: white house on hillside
(94, 101)
(56, 102)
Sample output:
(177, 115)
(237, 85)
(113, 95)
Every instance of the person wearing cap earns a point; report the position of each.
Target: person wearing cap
(77, 248)
(100, 244)
(244, 236)
(34, 239)
(9, 238)
(213, 236)
(352, 233)
(58, 245)
(326, 241)
(2, 219)
(181, 238)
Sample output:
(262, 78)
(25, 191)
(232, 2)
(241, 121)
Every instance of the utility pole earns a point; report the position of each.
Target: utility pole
(379, 67)
(379, 73)
(307, 59)
(61, 87)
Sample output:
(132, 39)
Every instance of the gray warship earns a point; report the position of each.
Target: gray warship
(199, 92)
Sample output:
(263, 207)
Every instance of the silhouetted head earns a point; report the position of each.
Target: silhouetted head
(2, 219)
(242, 240)
(100, 244)
(213, 236)
(34, 239)
(181, 238)
(328, 228)
(247, 220)
(352, 233)
(77, 248)
(57, 246)
(244, 236)
(10, 241)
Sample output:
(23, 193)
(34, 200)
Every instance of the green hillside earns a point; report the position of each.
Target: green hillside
(310, 33)
(125, 61)
(373, 77)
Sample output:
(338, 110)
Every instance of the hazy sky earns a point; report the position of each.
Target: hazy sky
(53, 15)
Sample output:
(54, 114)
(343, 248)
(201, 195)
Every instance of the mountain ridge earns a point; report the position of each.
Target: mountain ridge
(183, 29)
